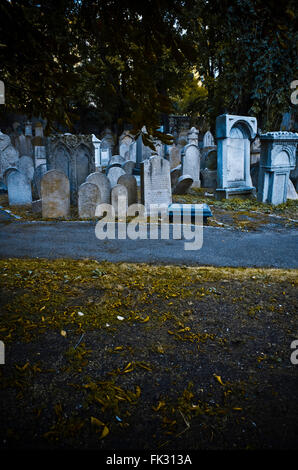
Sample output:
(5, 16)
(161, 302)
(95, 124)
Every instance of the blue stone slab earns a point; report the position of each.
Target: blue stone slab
(190, 209)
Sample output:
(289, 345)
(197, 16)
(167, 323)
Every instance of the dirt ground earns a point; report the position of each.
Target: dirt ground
(133, 356)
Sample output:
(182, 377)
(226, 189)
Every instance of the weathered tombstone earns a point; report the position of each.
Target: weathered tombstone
(128, 166)
(209, 178)
(255, 151)
(88, 198)
(18, 187)
(130, 183)
(38, 174)
(175, 174)
(159, 148)
(9, 156)
(209, 158)
(183, 184)
(278, 158)
(174, 156)
(191, 163)
(103, 184)
(155, 181)
(75, 156)
(114, 174)
(23, 143)
(234, 134)
(25, 165)
(116, 159)
(55, 195)
(125, 142)
(108, 142)
(208, 140)
(193, 136)
(133, 151)
(119, 199)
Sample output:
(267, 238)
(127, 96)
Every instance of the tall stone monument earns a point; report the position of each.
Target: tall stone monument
(278, 158)
(234, 134)
(155, 181)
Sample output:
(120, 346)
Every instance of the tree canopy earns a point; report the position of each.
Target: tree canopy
(117, 63)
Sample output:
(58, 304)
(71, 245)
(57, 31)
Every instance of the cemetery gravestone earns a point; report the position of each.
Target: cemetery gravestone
(130, 183)
(119, 200)
(18, 187)
(88, 198)
(25, 166)
(155, 181)
(278, 158)
(183, 184)
(234, 134)
(114, 174)
(103, 184)
(55, 195)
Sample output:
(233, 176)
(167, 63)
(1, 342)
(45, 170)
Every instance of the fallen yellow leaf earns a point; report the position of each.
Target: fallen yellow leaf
(218, 378)
(105, 432)
(96, 422)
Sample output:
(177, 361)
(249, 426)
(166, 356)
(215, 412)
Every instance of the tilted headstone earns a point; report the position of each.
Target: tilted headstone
(234, 134)
(155, 181)
(191, 163)
(183, 184)
(175, 174)
(55, 195)
(26, 166)
(18, 187)
(88, 198)
(104, 185)
(9, 156)
(119, 199)
(114, 174)
(278, 158)
(130, 183)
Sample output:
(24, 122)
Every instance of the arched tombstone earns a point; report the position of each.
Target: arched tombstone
(234, 134)
(103, 183)
(191, 163)
(62, 159)
(155, 181)
(125, 142)
(88, 198)
(209, 168)
(128, 167)
(81, 157)
(208, 140)
(18, 187)
(175, 174)
(119, 200)
(278, 158)
(114, 174)
(130, 182)
(55, 195)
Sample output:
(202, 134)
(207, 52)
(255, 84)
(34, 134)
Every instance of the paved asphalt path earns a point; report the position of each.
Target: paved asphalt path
(77, 240)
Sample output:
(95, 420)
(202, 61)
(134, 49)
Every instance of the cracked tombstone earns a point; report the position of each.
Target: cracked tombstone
(55, 195)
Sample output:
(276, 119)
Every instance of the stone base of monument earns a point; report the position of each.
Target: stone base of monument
(192, 210)
(229, 193)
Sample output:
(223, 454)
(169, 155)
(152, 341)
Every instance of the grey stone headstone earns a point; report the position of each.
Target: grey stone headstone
(38, 174)
(18, 187)
(155, 181)
(26, 166)
(55, 195)
(209, 178)
(119, 197)
(291, 193)
(114, 174)
(130, 183)
(208, 140)
(88, 198)
(125, 141)
(103, 184)
(183, 184)
(116, 159)
(191, 163)
(128, 166)
(8, 154)
(174, 156)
